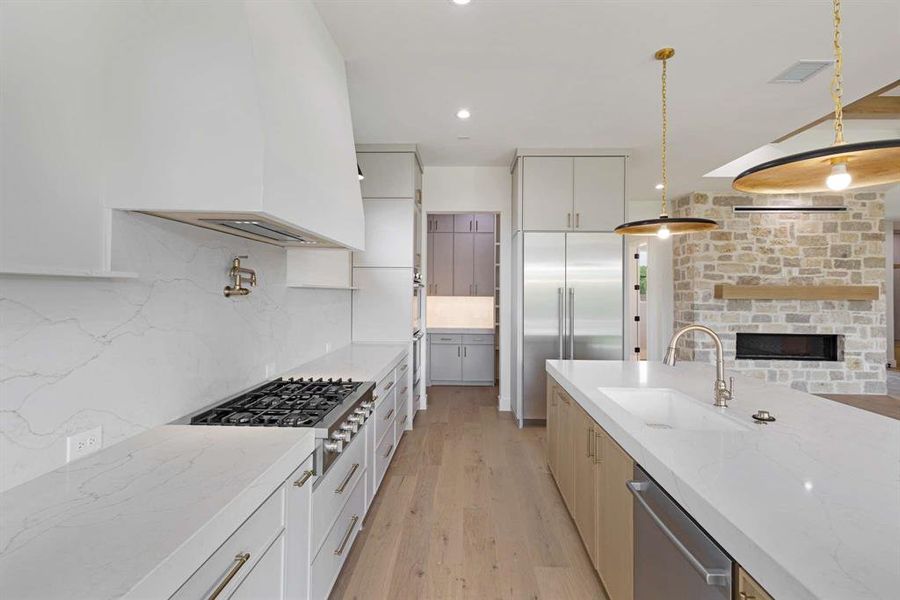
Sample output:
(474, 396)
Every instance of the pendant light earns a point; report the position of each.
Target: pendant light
(665, 226)
(838, 167)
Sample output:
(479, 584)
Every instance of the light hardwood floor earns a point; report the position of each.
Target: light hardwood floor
(468, 509)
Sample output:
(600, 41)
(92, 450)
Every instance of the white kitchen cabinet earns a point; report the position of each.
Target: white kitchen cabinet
(569, 193)
(382, 304)
(390, 234)
(445, 362)
(478, 363)
(599, 192)
(298, 517)
(330, 558)
(547, 194)
(265, 580)
(388, 174)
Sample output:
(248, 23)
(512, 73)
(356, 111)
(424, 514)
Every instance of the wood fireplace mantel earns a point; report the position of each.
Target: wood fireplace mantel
(796, 292)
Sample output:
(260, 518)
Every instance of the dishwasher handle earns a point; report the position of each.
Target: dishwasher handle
(713, 577)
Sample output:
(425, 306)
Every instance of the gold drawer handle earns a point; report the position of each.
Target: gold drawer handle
(239, 561)
(340, 549)
(403, 391)
(388, 453)
(349, 476)
(388, 387)
(404, 367)
(389, 415)
(304, 478)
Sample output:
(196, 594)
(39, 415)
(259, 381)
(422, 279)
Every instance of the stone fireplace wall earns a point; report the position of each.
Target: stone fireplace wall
(787, 249)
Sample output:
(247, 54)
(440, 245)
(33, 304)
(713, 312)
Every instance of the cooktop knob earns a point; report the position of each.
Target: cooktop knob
(333, 446)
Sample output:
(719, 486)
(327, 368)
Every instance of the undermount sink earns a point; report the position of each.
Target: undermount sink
(664, 408)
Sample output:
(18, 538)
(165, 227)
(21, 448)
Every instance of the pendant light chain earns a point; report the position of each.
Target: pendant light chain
(837, 81)
(665, 129)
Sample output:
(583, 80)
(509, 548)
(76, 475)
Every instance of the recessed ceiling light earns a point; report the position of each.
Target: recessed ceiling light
(463, 113)
(659, 186)
(461, 2)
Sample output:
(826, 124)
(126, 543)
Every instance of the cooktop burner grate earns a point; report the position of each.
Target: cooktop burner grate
(281, 403)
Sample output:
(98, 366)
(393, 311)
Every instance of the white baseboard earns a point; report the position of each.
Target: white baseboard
(504, 405)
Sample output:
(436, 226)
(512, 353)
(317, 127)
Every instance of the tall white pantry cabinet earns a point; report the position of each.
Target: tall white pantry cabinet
(385, 298)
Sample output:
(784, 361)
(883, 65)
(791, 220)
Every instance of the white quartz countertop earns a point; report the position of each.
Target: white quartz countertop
(360, 362)
(462, 330)
(142, 514)
(809, 505)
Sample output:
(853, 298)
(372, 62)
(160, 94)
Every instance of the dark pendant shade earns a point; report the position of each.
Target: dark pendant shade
(869, 163)
(675, 225)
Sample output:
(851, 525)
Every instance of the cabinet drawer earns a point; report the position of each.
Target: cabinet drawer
(384, 453)
(385, 411)
(402, 369)
(445, 338)
(327, 500)
(384, 386)
(486, 338)
(403, 416)
(331, 556)
(252, 537)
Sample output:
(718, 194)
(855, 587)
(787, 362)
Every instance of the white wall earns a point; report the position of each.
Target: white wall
(133, 354)
(478, 189)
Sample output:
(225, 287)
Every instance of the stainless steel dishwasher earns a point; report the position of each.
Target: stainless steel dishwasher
(673, 556)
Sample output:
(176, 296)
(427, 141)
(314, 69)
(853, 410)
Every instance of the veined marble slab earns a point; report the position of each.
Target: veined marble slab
(140, 515)
(809, 505)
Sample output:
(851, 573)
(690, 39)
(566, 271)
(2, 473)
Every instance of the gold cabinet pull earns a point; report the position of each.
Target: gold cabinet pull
(304, 478)
(340, 549)
(340, 489)
(389, 415)
(589, 432)
(239, 561)
(598, 452)
(388, 453)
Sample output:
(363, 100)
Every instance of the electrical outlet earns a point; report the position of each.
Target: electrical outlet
(327, 347)
(84, 443)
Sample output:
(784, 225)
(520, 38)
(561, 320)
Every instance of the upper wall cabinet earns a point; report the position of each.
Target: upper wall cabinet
(223, 111)
(389, 174)
(569, 193)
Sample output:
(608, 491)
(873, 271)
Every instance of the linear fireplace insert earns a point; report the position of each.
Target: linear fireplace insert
(789, 346)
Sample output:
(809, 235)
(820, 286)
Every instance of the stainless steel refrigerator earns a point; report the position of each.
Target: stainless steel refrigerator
(568, 304)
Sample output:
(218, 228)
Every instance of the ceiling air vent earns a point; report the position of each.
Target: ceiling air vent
(790, 209)
(266, 230)
(801, 70)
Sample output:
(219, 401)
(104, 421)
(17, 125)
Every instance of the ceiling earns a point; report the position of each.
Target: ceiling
(561, 73)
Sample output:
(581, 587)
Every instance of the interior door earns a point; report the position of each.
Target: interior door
(594, 276)
(544, 280)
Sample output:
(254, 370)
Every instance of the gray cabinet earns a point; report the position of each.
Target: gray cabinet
(463, 223)
(566, 193)
(483, 264)
(445, 362)
(463, 264)
(478, 363)
(440, 223)
(456, 359)
(484, 223)
(440, 264)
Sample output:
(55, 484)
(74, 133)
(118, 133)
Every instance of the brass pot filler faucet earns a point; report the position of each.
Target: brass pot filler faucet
(237, 288)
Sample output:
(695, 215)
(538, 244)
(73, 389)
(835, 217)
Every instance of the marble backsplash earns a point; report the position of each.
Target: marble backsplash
(131, 354)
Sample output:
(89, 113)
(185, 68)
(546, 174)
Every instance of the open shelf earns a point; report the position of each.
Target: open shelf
(71, 273)
(796, 292)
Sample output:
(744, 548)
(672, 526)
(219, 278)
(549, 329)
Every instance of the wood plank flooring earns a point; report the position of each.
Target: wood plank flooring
(468, 509)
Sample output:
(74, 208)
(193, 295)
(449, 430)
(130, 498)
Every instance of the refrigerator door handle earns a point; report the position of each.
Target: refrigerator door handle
(571, 323)
(561, 326)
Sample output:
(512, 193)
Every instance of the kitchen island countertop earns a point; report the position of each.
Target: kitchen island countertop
(809, 505)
